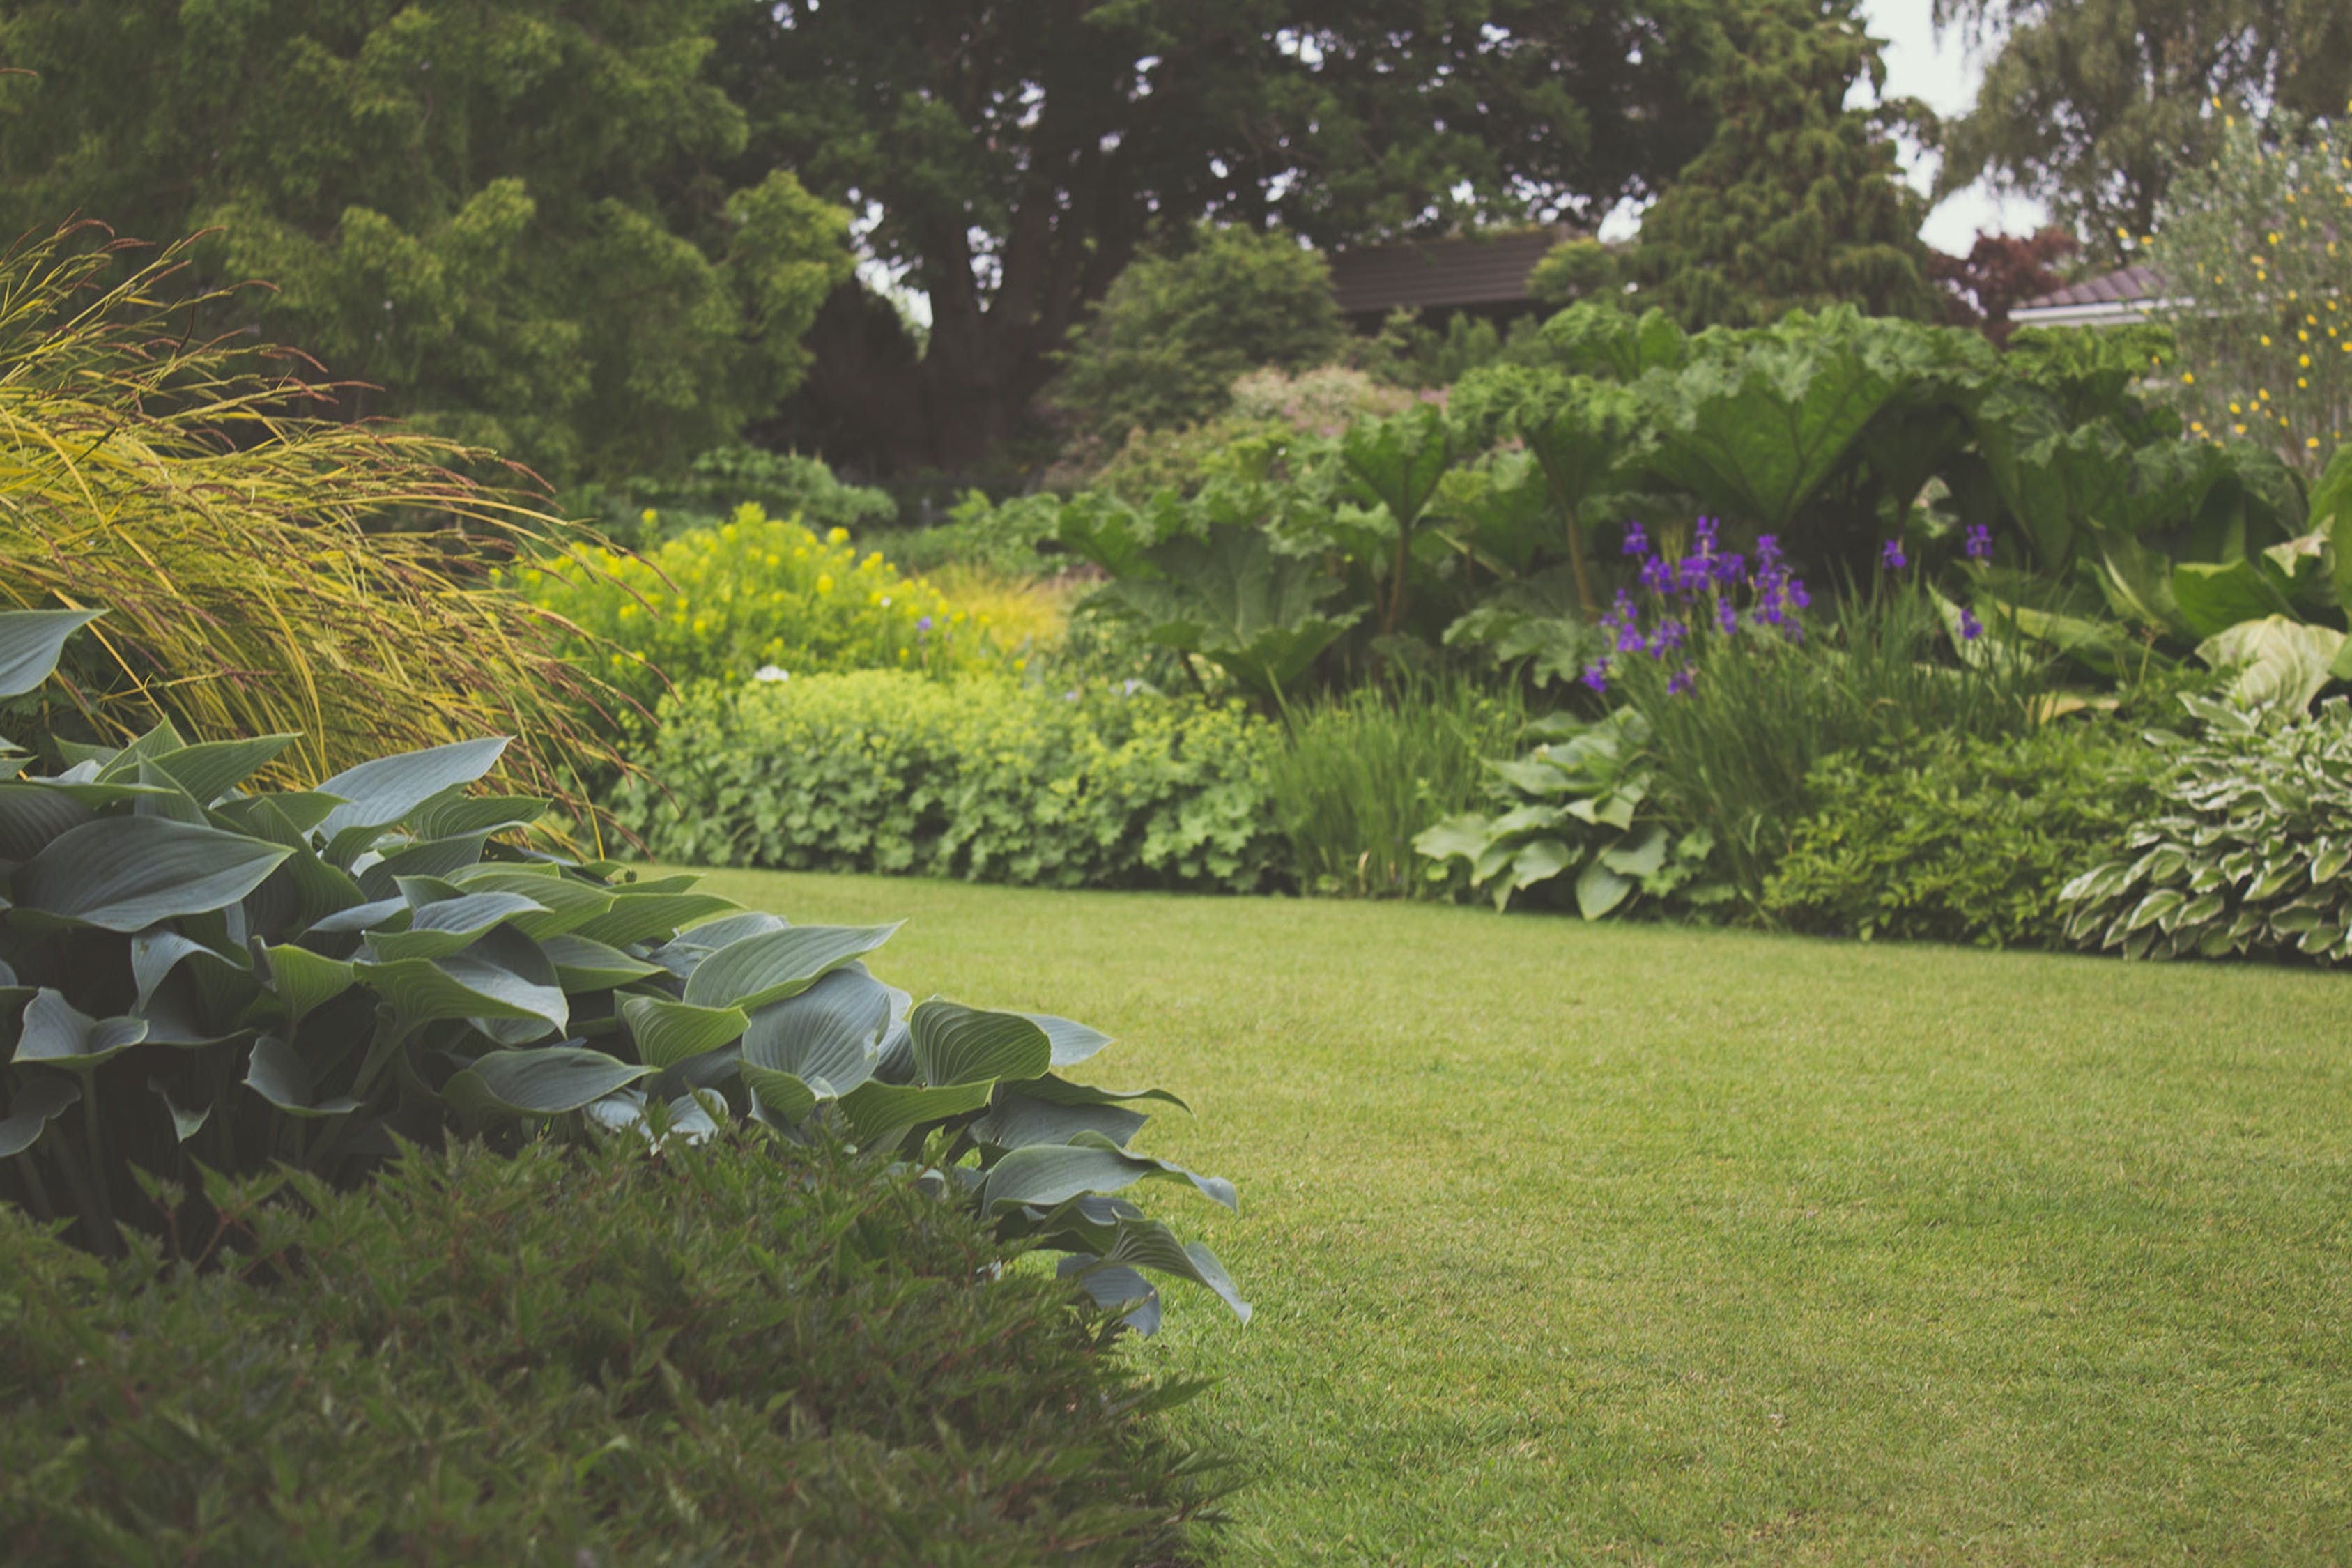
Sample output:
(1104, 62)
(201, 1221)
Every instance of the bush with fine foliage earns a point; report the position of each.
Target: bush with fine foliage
(981, 779)
(1956, 838)
(712, 1355)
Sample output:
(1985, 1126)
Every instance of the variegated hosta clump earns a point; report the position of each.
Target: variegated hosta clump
(2251, 860)
(193, 971)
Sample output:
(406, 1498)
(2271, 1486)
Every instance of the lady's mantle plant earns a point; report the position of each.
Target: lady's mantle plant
(194, 970)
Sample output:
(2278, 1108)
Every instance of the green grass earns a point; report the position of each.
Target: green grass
(1623, 1245)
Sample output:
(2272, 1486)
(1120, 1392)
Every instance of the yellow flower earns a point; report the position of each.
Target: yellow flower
(2235, 409)
(1020, 665)
(649, 516)
(628, 612)
(700, 625)
(2312, 443)
(825, 579)
(837, 536)
(2187, 379)
(2239, 429)
(2266, 340)
(2304, 360)
(774, 560)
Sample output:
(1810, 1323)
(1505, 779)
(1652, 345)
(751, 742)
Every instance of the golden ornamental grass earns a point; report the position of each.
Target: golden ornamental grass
(265, 567)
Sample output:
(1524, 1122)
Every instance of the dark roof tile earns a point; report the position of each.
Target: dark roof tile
(1478, 270)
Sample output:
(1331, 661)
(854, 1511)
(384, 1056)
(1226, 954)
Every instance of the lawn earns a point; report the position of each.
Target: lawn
(1630, 1245)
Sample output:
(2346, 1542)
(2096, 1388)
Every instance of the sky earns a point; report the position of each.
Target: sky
(1943, 75)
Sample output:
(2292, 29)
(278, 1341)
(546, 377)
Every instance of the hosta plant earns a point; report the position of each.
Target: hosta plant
(2250, 852)
(1578, 808)
(193, 971)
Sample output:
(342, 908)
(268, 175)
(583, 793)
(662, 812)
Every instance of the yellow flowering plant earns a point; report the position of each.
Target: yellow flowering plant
(758, 595)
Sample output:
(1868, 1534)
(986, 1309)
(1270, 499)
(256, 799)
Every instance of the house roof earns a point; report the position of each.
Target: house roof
(2124, 295)
(1480, 269)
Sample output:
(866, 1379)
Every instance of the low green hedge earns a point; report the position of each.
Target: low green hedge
(1960, 839)
(718, 1355)
(982, 778)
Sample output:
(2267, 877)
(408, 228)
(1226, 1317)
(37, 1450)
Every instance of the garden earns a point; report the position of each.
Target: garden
(1701, 923)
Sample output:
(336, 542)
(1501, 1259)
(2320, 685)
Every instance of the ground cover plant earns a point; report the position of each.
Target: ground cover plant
(982, 778)
(1708, 1245)
(741, 1351)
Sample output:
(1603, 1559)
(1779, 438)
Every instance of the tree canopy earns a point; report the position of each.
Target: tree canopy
(2093, 105)
(1796, 200)
(513, 217)
(1011, 160)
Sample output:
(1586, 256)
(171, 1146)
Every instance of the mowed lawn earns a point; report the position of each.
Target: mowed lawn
(1616, 1244)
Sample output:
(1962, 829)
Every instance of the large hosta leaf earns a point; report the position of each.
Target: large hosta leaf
(543, 1082)
(1043, 1175)
(450, 925)
(584, 965)
(125, 874)
(668, 1032)
(826, 1037)
(33, 816)
(30, 641)
(1014, 1121)
(775, 964)
(1073, 1042)
(55, 1033)
(956, 1043)
(304, 980)
(35, 1099)
(277, 1073)
(210, 769)
(383, 792)
(874, 1108)
(504, 975)
(638, 915)
(1148, 1244)
(2277, 660)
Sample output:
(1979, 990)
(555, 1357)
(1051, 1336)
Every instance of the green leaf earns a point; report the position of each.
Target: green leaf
(1043, 1175)
(956, 1043)
(304, 980)
(449, 925)
(1061, 1091)
(210, 769)
(1640, 858)
(1014, 1121)
(185, 1123)
(1073, 1043)
(1600, 890)
(483, 982)
(30, 642)
(544, 1082)
(2277, 660)
(155, 953)
(780, 1098)
(383, 792)
(874, 1108)
(566, 903)
(124, 874)
(775, 964)
(668, 1032)
(277, 1074)
(1149, 1244)
(33, 815)
(584, 965)
(826, 1037)
(35, 1100)
(2214, 597)
(637, 917)
(55, 1033)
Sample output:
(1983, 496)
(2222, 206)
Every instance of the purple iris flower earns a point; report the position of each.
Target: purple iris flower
(1629, 639)
(1657, 577)
(1706, 531)
(1726, 619)
(1892, 556)
(1697, 570)
(1680, 683)
(1796, 596)
(1971, 627)
(924, 625)
(1730, 569)
(1596, 675)
(1670, 634)
(1980, 544)
(1768, 551)
(1637, 540)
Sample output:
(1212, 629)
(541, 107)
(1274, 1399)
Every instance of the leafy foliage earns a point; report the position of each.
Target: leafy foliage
(640, 509)
(731, 598)
(2249, 246)
(267, 570)
(745, 1350)
(981, 779)
(1956, 838)
(379, 962)
(1580, 809)
(515, 219)
(2246, 850)
(1797, 201)
(1173, 331)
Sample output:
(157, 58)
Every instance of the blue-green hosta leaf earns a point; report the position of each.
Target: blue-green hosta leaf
(389, 914)
(1115, 1288)
(668, 1032)
(276, 1073)
(1599, 889)
(210, 769)
(155, 953)
(32, 815)
(382, 792)
(583, 965)
(433, 859)
(448, 926)
(1461, 837)
(124, 874)
(30, 642)
(55, 1033)
(640, 916)
(1014, 1121)
(1641, 858)
(566, 903)
(1539, 861)
(775, 964)
(778, 1097)
(35, 1099)
(304, 981)
(874, 1108)
(1059, 1090)
(956, 1043)
(1073, 1042)
(1149, 1244)
(123, 767)
(712, 935)
(185, 1122)
(828, 1037)
(164, 797)
(548, 1081)
(1043, 1175)
(283, 819)
(494, 978)
(462, 816)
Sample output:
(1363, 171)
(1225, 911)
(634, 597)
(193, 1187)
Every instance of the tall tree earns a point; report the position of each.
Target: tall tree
(1796, 200)
(509, 214)
(2094, 105)
(1010, 158)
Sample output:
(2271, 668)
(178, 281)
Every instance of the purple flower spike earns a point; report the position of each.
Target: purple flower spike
(1768, 551)
(1681, 682)
(1730, 569)
(1706, 531)
(1629, 640)
(1637, 541)
(1971, 627)
(1657, 577)
(1726, 619)
(1596, 675)
(1892, 556)
(1796, 596)
(1980, 544)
